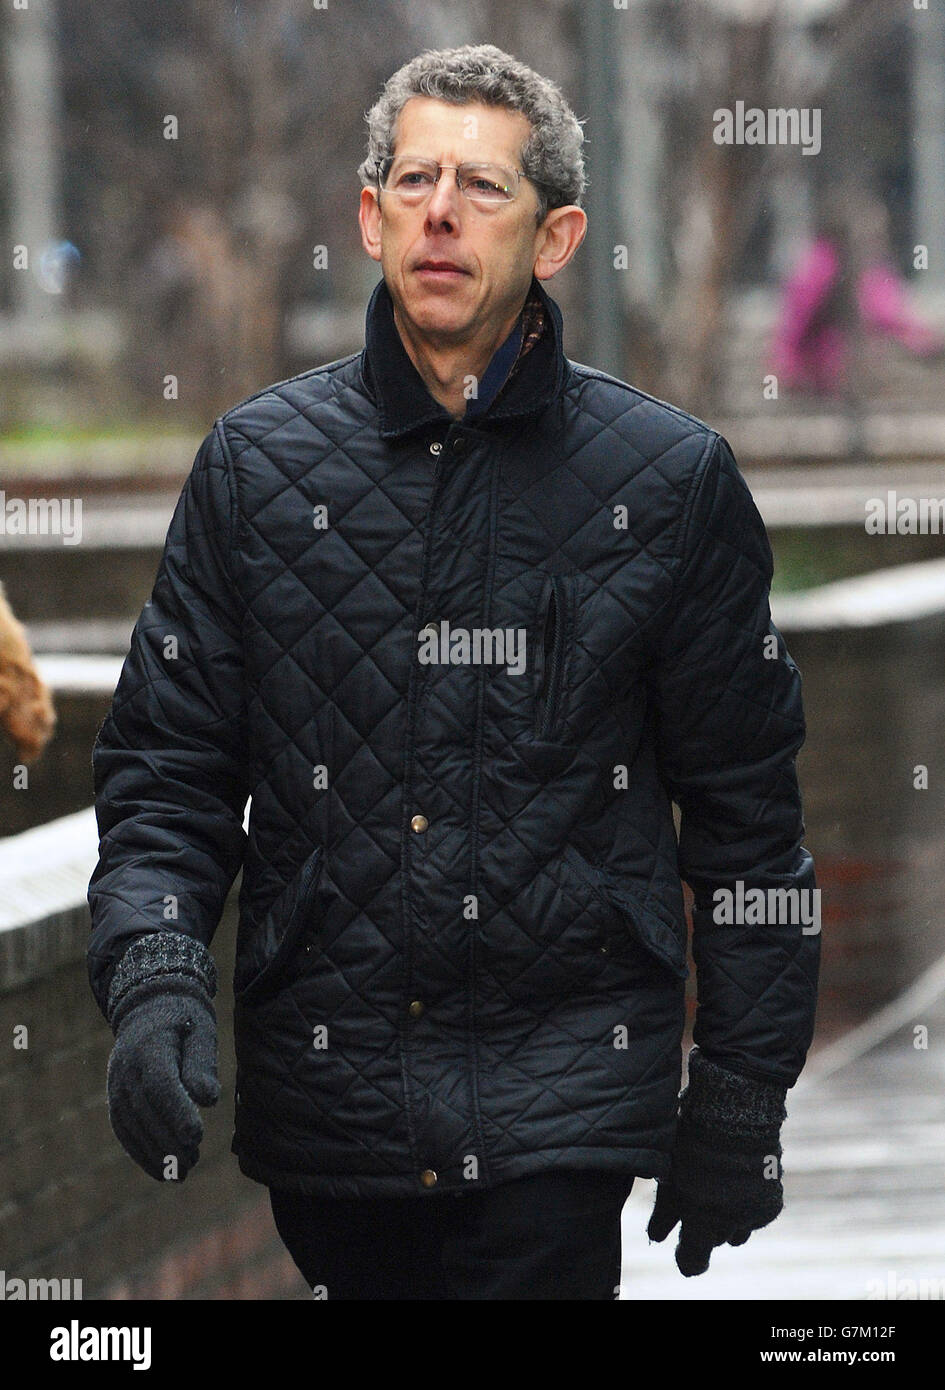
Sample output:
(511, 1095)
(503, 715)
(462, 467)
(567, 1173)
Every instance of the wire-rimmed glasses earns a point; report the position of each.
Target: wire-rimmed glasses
(412, 179)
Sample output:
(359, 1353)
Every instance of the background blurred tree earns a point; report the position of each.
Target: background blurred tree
(203, 240)
(716, 199)
(203, 244)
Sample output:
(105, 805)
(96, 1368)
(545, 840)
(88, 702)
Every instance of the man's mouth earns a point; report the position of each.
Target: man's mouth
(442, 270)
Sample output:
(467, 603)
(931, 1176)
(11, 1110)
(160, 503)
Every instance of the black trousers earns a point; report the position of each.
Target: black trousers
(552, 1236)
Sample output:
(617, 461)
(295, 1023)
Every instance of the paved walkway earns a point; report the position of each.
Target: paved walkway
(864, 1155)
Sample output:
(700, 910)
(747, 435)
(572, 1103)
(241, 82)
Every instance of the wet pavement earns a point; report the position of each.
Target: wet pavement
(864, 1212)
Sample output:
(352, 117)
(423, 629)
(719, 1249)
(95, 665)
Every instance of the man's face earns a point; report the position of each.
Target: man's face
(494, 248)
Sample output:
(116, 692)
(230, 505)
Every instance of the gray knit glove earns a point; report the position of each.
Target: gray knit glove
(164, 1062)
(725, 1178)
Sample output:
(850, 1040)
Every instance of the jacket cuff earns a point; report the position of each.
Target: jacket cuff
(157, 963)
(719, 1099)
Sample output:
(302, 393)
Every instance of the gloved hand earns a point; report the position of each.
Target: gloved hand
(164, 1062)
(725, 1177)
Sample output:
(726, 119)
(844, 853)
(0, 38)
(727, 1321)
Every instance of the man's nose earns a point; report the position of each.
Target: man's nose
(446, 199)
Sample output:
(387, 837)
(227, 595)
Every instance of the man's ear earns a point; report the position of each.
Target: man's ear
(369, 220)
(560, 235)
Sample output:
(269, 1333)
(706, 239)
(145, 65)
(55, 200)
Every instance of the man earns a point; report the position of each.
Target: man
(463, 618)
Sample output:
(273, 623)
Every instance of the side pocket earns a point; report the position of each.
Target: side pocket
(263, 965)
(631, 917)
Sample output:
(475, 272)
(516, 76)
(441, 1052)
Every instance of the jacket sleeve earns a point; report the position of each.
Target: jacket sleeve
(169, 761)
(729, 723)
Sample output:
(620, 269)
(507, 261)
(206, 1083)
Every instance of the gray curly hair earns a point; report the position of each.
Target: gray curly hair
(551, 156)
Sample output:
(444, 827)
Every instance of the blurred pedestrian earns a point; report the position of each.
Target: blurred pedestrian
(846, 274)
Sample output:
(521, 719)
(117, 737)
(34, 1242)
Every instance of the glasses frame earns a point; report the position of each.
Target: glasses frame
(383, 167)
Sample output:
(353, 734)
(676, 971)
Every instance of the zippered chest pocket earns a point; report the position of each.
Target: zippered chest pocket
(556, 640)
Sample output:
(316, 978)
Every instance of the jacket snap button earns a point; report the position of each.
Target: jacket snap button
(416, 1008)
(459, 445)
(436, 447)
(428, 1177)
(419, 823)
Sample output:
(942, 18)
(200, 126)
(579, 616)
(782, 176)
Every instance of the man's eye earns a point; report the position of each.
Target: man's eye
(414, 178)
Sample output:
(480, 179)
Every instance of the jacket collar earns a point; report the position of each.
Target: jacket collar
(405, 404)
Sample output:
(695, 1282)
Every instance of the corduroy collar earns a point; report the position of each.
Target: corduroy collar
(405, 404)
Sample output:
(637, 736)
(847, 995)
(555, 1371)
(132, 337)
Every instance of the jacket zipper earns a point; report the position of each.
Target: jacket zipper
(552, 668)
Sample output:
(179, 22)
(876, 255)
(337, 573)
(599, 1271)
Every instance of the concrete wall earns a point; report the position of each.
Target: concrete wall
(72, 1204)
(875, 702)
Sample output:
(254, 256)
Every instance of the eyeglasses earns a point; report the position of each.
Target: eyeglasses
(412, 179)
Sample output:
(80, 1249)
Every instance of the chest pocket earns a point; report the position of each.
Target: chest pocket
(552, 661)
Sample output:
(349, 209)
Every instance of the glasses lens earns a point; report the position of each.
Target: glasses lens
(412, 179)
(488, 183)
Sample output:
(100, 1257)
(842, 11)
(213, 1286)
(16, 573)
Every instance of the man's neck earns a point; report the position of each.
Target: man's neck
(446, 368)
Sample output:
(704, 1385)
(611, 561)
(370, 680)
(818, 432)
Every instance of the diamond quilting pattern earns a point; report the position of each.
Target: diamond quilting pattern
(299, 651)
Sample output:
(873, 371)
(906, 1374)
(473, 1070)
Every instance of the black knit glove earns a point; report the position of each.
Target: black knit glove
(725, 1177)
(164, 1062)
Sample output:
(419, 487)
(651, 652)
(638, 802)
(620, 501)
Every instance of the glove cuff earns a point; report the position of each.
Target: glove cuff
(723, 1100)
(158, 963)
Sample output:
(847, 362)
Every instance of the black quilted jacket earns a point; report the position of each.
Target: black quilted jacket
(462, 939)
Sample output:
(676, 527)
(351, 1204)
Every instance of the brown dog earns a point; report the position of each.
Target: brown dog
(27, 715)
